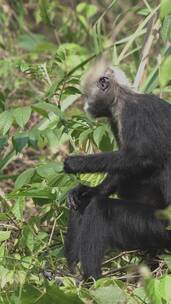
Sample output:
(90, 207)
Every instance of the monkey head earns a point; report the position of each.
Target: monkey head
(100, 87)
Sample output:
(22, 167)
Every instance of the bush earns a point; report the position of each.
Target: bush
(45, 48)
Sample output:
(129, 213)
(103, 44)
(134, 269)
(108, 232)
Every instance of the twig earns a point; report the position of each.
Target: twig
(120, 269)
(140, 27)
(147, 5)
(126, 277)
(52, 232)
(120, 255)
(8, 226)
(152, 27)
(121, 25)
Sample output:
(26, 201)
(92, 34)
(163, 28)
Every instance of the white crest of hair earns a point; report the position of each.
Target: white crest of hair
(120, 77)
(99, 69)
(94, 72)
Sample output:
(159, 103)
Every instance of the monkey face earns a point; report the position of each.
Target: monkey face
(101, 87)
(103, 83)
(98, 94)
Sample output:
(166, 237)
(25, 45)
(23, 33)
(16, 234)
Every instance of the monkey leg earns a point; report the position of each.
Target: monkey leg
(94, 238)
(122, 225)
(72, 239)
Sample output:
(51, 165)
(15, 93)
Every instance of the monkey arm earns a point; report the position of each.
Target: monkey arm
(117, 162)
(89, 163)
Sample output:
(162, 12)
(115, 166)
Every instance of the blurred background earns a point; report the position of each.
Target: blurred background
(45, 47)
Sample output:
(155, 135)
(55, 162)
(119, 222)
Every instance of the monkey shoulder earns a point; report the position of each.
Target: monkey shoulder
(148, 119)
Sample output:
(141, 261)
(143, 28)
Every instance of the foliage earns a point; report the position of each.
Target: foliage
(45, 47)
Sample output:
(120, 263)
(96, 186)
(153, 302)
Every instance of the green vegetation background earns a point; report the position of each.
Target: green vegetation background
(45, 47)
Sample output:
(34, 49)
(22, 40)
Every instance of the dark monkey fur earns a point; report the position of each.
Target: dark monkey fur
(139, 173)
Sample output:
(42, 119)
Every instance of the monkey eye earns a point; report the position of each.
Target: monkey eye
(103, 83)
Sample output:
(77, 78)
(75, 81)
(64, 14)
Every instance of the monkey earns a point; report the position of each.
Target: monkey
(139, 172)
(141, 124)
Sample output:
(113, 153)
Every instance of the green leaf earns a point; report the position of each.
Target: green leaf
(52, 140)
(65, 137)
(69, 49)
(165, 286)
(52, 294)
(38, 193)
(29, 295)
(28, 238)
(22, 115)
(92, 179)
(55, 86)
(6, 120)
(7, 159)
(88, 9)
(20, 141)
(165, 8)
(139, 292)
(24, 178)
(98, 135)
(67, 102)
(44, 108)
(167, 259)
(55, 295)
(2, 251)
(106, 143)
(84, 136)
(44, 9)
(71, 90)
(49, 169)
(3, 140)
(158, 290)
(31, 42)
(165, 74)
(4, 235)
(3, 276)
(109, 295)
(3, 216)
(152, 287)
(21, 277)
(26, 261)
(166, 28)
(144, 12)
(24, 67)
(18, 208)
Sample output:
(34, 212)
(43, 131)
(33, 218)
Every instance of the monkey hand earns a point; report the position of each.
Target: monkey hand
(79, 196)
(70, 164)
